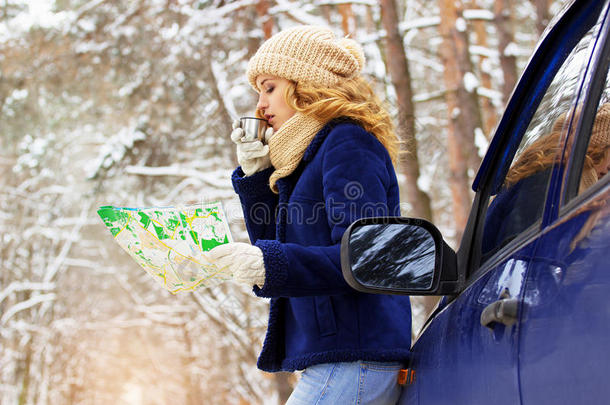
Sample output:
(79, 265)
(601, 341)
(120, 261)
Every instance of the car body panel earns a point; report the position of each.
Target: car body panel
(565, 325)
(457, 358)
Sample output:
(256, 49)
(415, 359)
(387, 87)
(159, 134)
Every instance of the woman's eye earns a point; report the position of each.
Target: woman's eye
(269, 90)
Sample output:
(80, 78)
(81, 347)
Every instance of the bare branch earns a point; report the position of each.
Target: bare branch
(23, 305)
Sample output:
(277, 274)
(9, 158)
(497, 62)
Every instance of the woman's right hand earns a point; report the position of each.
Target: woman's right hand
(253, 156)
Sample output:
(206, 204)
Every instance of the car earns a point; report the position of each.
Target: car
(524, 316)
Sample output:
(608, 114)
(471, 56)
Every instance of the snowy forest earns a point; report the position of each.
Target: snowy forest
(130, 103)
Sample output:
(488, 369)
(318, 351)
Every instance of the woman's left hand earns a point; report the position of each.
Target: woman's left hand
(243, 261)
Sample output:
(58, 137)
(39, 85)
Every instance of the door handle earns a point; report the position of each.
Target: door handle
(504, 311)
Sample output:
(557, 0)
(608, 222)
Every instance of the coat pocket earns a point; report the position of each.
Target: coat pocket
(325, 316)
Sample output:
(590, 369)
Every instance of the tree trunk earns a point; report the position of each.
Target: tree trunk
(508, 60)
(262, 9)
(463, 109)
(542, 14)
(398, 68)
(283, 387)
(369, 21)
(326, 12)
(224, 127)
(490, 115)
(347, 19)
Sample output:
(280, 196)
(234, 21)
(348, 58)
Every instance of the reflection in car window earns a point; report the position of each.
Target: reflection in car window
(520, 202)
(597, 158)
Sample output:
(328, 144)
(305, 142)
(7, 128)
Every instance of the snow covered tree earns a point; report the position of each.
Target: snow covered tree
(398, 67)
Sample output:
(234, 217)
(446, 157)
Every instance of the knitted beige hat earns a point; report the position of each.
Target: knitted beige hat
(307, 54)
(600, 133)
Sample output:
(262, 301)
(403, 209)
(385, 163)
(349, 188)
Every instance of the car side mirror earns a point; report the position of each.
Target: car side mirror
(398, 255)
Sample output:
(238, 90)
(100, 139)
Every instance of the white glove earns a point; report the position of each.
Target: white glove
(243, 261)
(253, 156)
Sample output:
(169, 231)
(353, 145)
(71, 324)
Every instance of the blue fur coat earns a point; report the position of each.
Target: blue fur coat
(315, 317)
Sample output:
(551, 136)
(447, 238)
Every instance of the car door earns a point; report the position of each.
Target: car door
(468, 353)
(565, 316)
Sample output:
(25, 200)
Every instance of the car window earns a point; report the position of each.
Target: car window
(518, 206)
(597, 158)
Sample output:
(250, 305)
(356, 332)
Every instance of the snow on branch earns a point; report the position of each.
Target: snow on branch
(433, 95)
(300, 14)
(218, 78)
(494, 95)
(230, 8)
(478, 14)
(73, 262)
(483, 51)
(418, 23)
(210, 178)
(209, 16)
(17, 286)
(108, 324)
(404, 27)
(212, 311)
(88, 6)
(370, 3)
(434, 21)
(23, 305)
(56, 264)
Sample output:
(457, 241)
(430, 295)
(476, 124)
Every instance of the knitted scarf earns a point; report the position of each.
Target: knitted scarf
(287, 146)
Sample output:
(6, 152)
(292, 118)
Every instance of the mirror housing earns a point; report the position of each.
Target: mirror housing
(396, 255)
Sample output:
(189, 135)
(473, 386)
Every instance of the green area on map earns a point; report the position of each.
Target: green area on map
(170, 242)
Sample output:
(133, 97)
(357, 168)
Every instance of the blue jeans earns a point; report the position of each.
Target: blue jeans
(360, 382)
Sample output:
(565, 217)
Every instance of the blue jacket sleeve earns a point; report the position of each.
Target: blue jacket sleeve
(258, 203)
(357, 174)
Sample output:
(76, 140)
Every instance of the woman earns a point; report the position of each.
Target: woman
(328, 163)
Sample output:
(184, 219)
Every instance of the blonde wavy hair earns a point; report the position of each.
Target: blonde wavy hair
(539, 156)
(543, 152)
(353, 99)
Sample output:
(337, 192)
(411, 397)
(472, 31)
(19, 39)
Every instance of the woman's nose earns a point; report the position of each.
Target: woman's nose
(262, 104)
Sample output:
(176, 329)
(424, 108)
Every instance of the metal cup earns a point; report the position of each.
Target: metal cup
(254, 128)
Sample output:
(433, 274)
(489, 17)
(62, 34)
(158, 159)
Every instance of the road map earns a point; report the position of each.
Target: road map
(169, 242)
